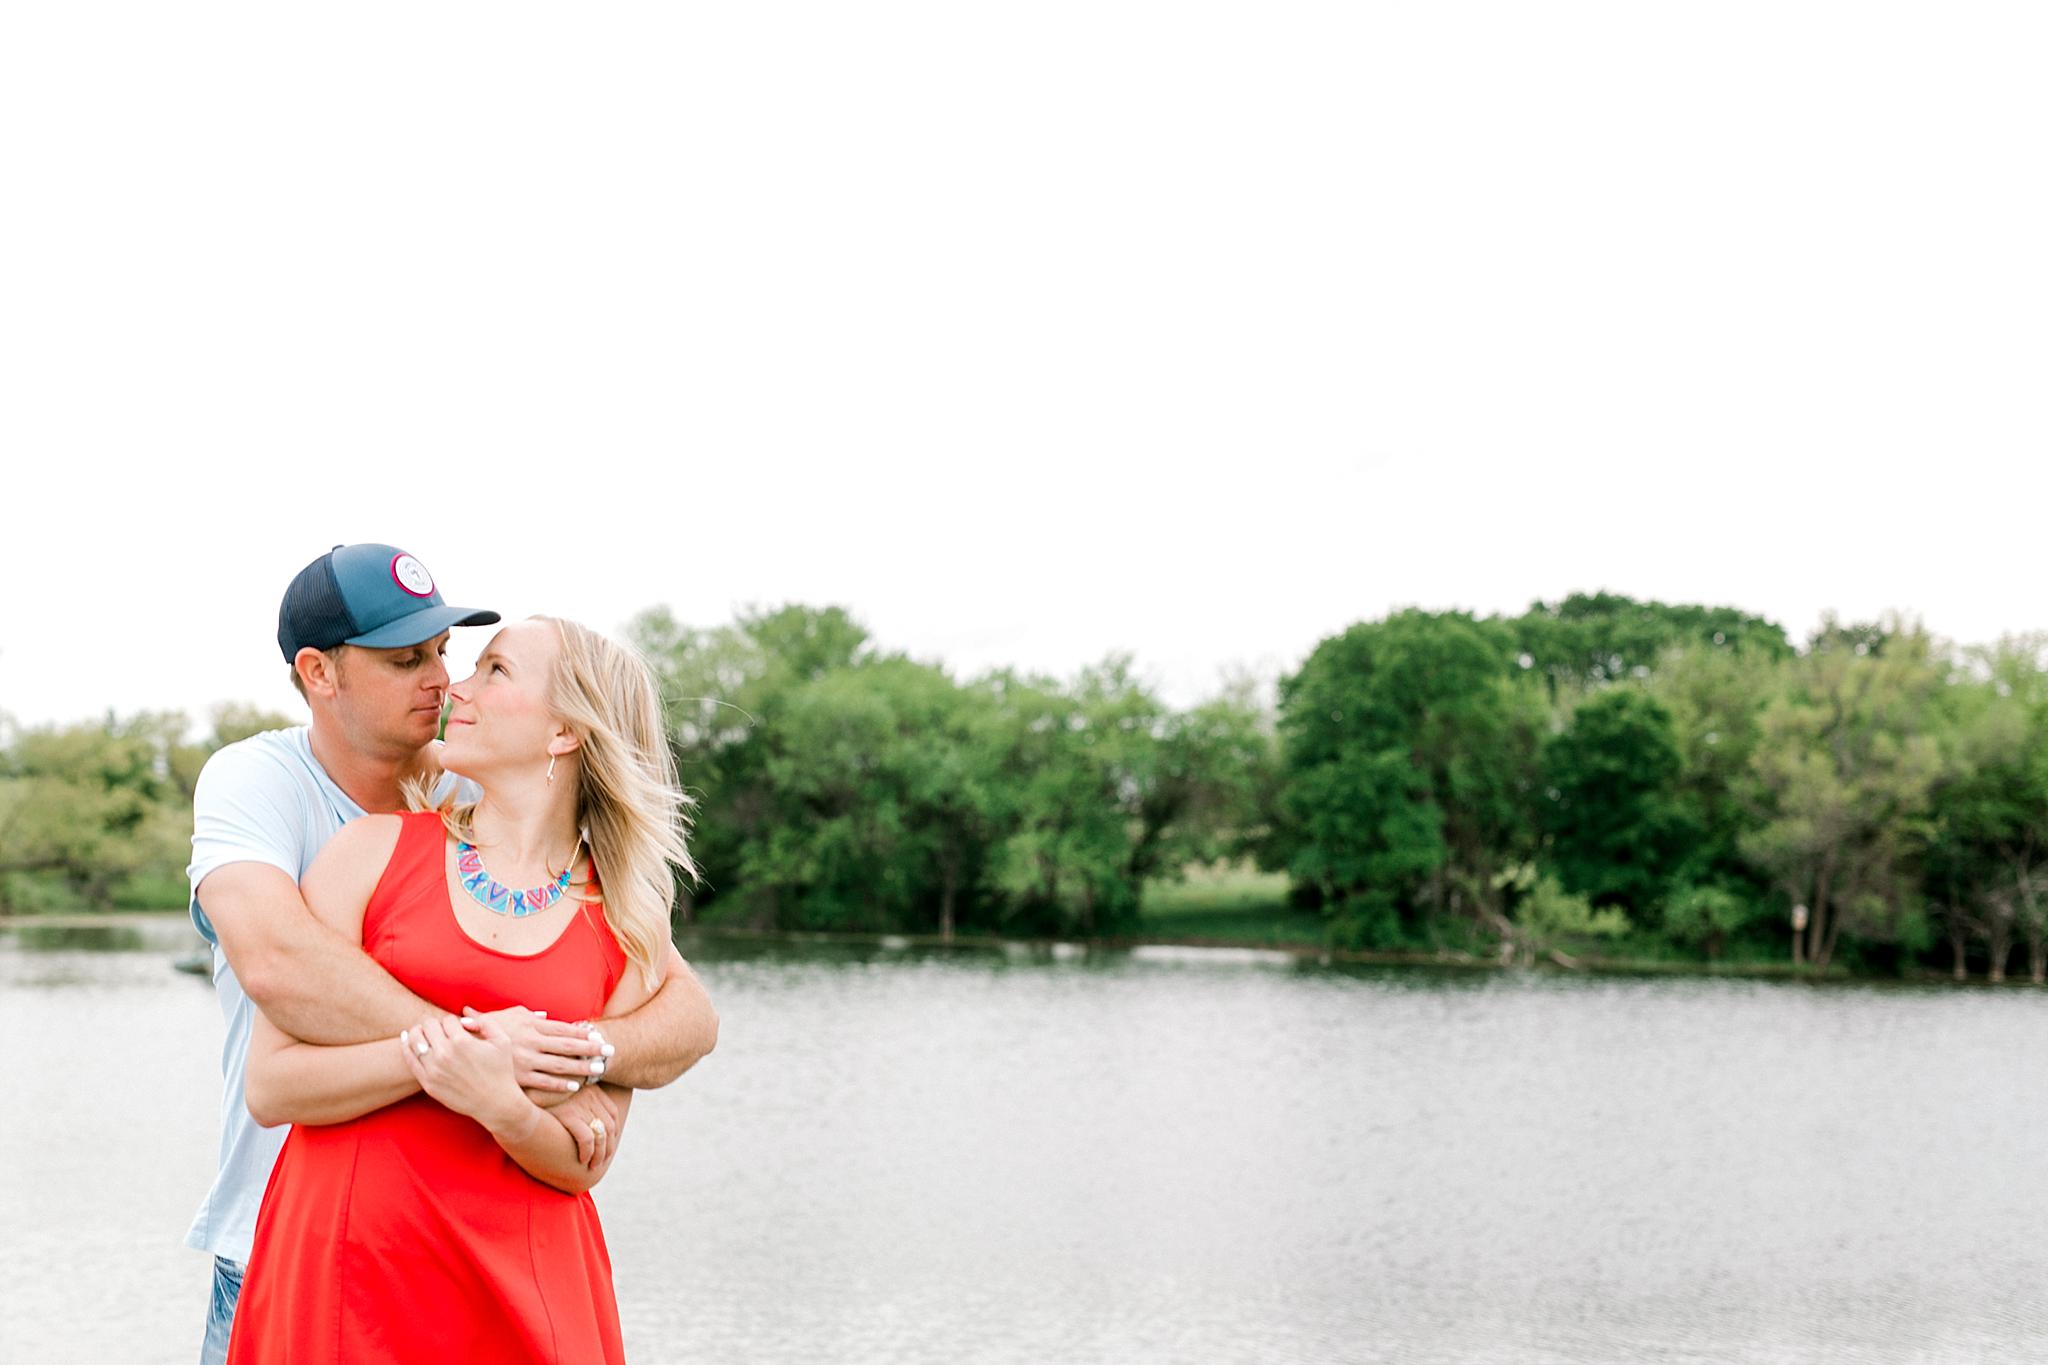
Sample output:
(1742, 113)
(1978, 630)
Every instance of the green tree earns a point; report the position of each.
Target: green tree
(723, 689)
(1587, 640)
(1986, 857)
(1845, 762)
(1410, 757)
(881, 806)
(89, 810)
(1716, 700)
(1617, 830)
(1088, 819)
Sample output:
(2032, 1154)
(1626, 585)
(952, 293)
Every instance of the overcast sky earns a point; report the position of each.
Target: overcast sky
(1026, 332)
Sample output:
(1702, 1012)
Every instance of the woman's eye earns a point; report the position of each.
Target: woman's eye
(497, 668)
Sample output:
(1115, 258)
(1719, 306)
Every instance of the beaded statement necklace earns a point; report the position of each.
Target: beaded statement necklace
(488, 892)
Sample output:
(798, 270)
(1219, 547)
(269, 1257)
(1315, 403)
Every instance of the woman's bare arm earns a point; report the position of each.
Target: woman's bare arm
(468, 1070)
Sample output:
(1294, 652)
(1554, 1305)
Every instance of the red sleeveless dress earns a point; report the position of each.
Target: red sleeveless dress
(407, 1235)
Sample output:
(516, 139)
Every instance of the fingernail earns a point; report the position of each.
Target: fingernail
(597, 1067)
(540, 1014)
(609, 1049)
(405, 1036)
(575, 1086)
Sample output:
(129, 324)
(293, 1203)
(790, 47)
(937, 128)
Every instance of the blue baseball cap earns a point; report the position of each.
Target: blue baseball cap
(373, 595)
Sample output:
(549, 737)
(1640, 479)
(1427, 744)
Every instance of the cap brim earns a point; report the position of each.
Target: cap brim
(421, 626)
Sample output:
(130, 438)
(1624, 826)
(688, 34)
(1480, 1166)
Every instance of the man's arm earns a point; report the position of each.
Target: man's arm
(307, 978)
(666, 1036)
(312, 979)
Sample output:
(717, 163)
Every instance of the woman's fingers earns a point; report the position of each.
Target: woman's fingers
(582, 1067)
(407, 1046)
(534, 1079)
(558, 1028)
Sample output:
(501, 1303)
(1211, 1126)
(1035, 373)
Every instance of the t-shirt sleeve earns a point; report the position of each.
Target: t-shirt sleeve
(247, 808)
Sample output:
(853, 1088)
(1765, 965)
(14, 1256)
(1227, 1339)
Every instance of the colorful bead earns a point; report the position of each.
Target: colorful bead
(488, 892)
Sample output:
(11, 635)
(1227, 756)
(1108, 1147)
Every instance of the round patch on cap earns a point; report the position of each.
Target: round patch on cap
(412, 576)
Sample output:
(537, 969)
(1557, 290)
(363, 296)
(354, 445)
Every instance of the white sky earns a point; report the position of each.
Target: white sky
(1027, 332)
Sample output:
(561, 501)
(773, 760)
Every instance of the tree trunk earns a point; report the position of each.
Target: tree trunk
(946, 902)
(1958, 945)
(1827, 947)
(1817, 937)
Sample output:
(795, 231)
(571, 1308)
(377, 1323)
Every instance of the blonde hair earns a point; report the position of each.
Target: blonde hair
(630, 805)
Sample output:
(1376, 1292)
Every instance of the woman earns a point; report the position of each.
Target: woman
(423, 1208)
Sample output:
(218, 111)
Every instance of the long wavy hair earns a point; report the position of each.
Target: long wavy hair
(630, 806)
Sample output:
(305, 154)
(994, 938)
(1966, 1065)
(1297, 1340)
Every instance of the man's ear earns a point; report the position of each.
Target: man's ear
(321, 673)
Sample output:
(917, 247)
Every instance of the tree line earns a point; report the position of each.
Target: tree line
(1596, 776)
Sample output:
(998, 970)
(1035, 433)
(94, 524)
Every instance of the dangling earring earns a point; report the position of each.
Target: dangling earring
(551, 767)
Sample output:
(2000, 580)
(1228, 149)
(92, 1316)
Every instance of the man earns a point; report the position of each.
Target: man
(364, 629)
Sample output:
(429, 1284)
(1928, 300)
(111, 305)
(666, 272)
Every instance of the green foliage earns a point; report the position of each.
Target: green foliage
(1550, 915)
(1715, 699)
(1617, 828)
(1596, 776)
(86, 809)
(1588, 640)
(843, 788)
(1985, 860)
(1845, 761)
(1409, 750)
(1707, 917)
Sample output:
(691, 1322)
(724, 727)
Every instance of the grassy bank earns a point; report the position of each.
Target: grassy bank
(1228, 904)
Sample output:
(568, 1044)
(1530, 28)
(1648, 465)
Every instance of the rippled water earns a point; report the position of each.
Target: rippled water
(1166, 1156)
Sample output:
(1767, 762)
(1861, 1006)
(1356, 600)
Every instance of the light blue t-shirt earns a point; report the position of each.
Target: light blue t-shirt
(264, 799)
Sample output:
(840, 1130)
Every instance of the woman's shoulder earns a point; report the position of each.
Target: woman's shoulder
(364, 844)
(376, 835)
(341, 880)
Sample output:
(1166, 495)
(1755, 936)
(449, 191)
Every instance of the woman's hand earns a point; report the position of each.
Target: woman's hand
(468, 1073)
(551, 1059)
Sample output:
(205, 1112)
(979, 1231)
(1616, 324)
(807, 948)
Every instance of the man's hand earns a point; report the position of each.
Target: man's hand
(594, 1120)
(551, 1059)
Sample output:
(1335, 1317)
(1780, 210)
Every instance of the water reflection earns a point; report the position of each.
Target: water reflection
(91, 938)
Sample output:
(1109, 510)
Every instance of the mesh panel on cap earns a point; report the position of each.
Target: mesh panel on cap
(313, 614)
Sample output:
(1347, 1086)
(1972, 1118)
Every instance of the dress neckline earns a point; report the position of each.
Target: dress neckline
(455, 915)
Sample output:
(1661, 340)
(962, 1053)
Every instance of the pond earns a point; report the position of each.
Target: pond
(910, 1155)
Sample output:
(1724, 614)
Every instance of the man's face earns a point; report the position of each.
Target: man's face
(390, 699)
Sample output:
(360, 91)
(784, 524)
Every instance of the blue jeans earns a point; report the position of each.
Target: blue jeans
(220, 1314)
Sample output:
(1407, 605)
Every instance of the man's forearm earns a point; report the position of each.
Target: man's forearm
(665, 1037)
(320, 988)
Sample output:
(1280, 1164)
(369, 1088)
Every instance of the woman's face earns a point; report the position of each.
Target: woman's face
(499, 722)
